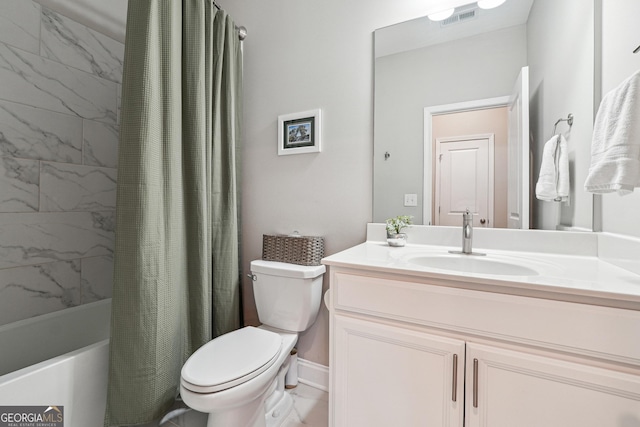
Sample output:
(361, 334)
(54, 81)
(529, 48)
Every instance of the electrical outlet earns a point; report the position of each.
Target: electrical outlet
(411, 200)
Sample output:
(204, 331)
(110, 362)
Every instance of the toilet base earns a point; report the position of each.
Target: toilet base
(278, 404)
(269, 410)
(277, 415)
(249, 415)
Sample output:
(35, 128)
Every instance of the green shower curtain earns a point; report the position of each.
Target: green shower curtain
(176, 262)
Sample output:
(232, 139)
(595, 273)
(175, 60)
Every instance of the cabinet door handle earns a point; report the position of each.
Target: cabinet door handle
(475, 383)
(454, 392)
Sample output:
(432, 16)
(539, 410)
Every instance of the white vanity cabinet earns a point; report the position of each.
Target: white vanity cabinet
(412, 351)
(519, 388)
(393, 376)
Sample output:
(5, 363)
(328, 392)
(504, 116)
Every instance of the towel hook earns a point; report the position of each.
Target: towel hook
(569, 121)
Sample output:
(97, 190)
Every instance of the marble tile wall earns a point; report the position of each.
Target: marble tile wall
(59, 107)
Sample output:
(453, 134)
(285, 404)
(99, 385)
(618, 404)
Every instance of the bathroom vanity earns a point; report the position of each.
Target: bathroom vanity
(543, 333)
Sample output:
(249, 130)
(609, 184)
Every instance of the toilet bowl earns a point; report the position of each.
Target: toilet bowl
(238, 378)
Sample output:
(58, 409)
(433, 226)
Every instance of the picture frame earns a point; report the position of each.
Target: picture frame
(300, 133)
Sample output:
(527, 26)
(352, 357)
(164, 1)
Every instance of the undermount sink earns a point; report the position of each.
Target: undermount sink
(472, 264)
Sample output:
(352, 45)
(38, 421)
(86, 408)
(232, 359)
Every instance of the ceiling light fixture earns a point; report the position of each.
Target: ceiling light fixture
(441, 16)
(489, 4)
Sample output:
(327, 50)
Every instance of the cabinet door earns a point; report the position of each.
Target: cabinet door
(508, 388)
(386, 376)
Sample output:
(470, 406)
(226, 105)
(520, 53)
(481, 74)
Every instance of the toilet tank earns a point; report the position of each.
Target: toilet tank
(287, 295)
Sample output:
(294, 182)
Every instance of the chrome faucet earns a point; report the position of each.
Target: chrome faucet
(467, 235)
(467, 232)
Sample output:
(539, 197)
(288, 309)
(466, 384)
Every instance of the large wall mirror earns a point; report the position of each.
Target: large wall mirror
(464, 107)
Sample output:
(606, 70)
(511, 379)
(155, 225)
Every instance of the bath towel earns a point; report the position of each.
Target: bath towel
(553, 182)
(615, 149)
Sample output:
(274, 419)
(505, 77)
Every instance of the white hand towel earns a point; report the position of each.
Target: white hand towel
(562, 169)
(553, 183)
(615, 149)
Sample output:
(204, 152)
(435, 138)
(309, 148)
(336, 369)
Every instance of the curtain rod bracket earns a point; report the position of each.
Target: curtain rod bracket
(242, 32)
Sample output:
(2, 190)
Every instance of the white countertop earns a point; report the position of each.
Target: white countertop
(560, 276)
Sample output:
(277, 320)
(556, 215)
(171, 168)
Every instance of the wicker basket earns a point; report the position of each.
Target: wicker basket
(302, 250)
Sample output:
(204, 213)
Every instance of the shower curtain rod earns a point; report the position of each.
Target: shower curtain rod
(242, 30)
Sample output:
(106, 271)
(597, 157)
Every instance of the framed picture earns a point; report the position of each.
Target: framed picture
(299, 133)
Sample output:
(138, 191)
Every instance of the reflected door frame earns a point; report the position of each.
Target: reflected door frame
(429, 112)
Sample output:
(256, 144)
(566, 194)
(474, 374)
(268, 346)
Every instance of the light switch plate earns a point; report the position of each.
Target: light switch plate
(411, 200)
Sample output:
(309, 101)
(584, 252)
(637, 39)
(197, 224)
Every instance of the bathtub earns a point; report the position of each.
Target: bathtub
(59, 359)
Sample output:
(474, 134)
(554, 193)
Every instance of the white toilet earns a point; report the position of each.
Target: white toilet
(238, 378)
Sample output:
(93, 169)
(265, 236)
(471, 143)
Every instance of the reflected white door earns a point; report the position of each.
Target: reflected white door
(464, 179)
(518, 187)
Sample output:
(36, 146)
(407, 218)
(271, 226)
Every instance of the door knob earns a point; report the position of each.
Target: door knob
(482, 221)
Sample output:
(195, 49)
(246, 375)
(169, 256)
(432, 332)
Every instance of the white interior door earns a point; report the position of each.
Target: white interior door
(518, 187)
(464, 179)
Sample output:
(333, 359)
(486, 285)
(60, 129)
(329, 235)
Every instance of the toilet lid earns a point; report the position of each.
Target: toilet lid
(231, 359)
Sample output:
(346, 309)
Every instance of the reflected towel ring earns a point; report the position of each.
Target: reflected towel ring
(569, 121)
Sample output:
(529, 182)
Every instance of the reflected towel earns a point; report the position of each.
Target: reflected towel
(615, 149)
(553, 183)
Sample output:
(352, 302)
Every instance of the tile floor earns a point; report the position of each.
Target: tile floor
(310, 409)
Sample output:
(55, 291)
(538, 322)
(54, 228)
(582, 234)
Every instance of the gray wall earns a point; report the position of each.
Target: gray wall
(304, 55)
(59, 91)
(620, 37)
(478, 67)
(301, 55)
(561, 69)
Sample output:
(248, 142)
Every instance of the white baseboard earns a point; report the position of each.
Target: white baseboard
(313, 374)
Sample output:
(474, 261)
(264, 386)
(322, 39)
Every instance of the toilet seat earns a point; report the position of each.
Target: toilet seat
(230, 360)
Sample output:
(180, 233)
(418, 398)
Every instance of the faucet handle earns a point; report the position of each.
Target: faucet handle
(468, 215)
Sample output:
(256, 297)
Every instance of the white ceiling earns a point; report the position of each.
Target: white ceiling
(422, 32)
(106, 16)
